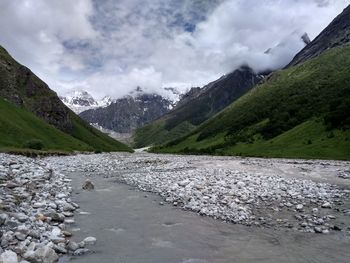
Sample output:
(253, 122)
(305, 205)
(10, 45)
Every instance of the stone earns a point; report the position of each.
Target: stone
(8, 257)
(299, 207)
(68, 207)
(72, 246)
(90, 240)
(81, 251)
(326, 205)
(88, 185)
(60, 249)
(46, 254)
(3, 218)
(56, 217)
(318, 230)
(21, 217)
(20, 236)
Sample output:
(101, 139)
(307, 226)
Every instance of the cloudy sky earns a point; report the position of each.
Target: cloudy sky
(113, 46)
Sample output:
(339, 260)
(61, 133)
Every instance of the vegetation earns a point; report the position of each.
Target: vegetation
(156, 133)
(32, 111)
(302, 111)
(20, 129)
(199, 107)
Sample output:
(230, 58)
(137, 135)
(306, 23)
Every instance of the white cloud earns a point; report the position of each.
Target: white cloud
(113, 46)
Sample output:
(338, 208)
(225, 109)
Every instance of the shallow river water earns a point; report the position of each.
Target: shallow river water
(132, 227)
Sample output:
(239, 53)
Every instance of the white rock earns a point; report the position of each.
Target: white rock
(9, 257)
(90, 240)
(46, 254)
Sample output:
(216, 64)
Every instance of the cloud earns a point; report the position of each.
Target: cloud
(113, 46)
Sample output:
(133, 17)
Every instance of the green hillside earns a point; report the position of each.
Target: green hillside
(302, 111)
(18, 127)
(198, 106)
(26, 93)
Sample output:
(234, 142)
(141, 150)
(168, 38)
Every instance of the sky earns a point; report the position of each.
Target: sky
(110, 47)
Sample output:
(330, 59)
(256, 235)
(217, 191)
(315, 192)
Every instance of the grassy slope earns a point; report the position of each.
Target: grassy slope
(94, 138)
(186, 117)
(16, 81)
(18, 126)
(284, 116)
(156, 133)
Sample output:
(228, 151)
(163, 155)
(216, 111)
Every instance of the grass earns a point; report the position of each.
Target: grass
(187, 116)
(18, 127)
(300, 112)
(39, 116)
(156, 133)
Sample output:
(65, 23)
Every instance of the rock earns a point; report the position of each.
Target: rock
(67, 233)
(56, 217)
(336, 228)
(325, 231)
(318, 230)
(72, 246)
(81, 251)
(3, 218)
(46, 254)
(88, 185)
(299, 207)
(9, 257)
(326, 205)
(68, 207)
(21, 217)
(60, 249)
(183, 183)
(20, 236)
(30, 256)
(90, 240)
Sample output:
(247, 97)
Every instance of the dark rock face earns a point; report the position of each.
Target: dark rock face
(21, 86)
(336, 34)
(203, 103)
(129, 113)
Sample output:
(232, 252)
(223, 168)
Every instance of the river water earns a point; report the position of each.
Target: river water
(132, 227)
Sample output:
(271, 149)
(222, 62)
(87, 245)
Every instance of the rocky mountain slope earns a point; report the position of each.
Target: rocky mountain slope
(22, 88)
(79, 101)
(336, 34)
(197, 106)
(129, 113)
(301, 111)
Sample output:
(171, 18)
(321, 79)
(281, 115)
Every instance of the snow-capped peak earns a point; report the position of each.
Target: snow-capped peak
(79, 101)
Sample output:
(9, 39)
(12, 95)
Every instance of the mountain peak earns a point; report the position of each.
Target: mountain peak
(80, 100)
(337, 33)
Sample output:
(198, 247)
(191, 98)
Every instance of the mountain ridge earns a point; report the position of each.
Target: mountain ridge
(21, 87)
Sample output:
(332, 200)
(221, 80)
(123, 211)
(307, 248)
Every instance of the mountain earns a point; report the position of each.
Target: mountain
(299, 112)
(336, 34)
(24, 91)
(130, 112)
(79, 101)
(196, 107)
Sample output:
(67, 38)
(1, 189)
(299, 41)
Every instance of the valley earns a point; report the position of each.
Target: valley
(174, 131)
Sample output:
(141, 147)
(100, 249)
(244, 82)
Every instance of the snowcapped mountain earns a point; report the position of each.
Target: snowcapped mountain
(79, 101)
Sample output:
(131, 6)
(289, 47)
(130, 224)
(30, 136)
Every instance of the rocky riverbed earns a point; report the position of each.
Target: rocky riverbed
(306, 196)
(37, 211)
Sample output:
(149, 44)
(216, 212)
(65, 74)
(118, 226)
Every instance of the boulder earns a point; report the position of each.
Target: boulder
(88, 185)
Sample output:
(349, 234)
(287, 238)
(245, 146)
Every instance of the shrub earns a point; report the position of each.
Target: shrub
(34, 144)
